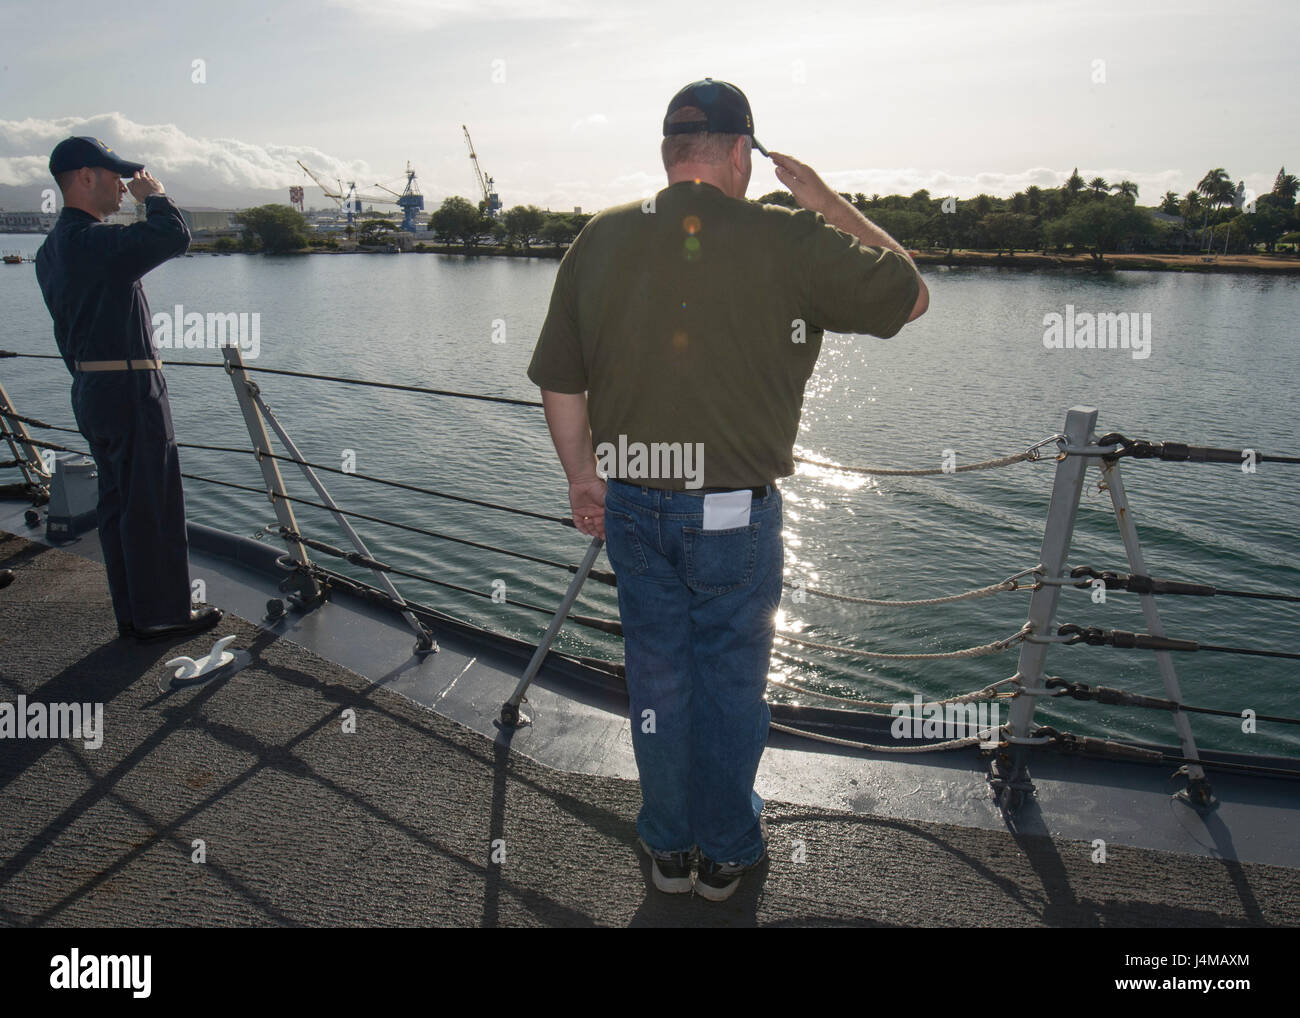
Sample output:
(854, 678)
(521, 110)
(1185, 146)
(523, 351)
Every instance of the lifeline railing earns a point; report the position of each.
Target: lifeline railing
(1078, 449)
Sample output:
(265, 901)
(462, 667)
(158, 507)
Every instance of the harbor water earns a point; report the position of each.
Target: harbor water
(972, 380)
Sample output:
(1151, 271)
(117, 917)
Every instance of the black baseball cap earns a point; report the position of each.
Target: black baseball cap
(74, 153)
(725, 108)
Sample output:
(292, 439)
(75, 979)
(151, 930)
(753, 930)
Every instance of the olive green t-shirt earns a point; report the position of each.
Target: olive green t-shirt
(693, 322)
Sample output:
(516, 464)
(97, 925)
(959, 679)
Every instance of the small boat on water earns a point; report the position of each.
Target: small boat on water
(14, 258)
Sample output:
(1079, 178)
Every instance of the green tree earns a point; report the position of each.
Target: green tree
(784, 198)
(373, 231)
(1099, 186)
(1270, 220)
(1101, 226)
(1126, 189)
(1073, 185)
(273, 228)
(1006, 231)
(1169, 204)
(1286, 185)
(1216, 188)
(522, 223)
(458, 219)
(557, 231)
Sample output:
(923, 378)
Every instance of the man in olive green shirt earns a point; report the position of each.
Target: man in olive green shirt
(673, 358)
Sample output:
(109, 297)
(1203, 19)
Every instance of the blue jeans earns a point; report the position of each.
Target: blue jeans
(699, 613)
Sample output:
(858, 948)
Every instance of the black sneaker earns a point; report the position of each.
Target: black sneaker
(717, 881)
(671, 871)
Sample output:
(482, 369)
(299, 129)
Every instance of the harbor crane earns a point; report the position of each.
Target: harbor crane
(410, 201)
(350, 202)
(491, 202)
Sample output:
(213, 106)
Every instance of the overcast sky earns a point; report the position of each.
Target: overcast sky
(565, 98)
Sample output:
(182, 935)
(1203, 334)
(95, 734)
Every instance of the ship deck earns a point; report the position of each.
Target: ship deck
(303, 824)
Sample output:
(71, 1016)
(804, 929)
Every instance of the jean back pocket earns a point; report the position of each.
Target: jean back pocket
(720, 561)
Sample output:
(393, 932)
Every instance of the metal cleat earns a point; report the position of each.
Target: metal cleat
(188, 668)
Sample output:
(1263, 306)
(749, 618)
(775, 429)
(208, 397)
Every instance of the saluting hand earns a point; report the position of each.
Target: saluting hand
(809, 190)
(144, 184)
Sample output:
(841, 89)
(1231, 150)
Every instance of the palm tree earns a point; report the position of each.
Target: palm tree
(1169, 204)
(1211, 188)
(1238, 199)
(1191, 205)
(1126, 188)
(1098, 185)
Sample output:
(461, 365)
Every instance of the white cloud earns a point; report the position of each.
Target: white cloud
(1000, 185)
(427, 14)
(199, 163)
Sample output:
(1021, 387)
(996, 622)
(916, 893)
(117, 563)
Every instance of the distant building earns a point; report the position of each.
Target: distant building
(204, 221)
(26, 222)
(201, 220)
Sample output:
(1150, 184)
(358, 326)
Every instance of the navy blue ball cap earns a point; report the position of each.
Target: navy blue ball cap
(725, 108)
(74, 153)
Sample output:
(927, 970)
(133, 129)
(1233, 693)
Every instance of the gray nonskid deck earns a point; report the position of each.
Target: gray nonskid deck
(304, 824)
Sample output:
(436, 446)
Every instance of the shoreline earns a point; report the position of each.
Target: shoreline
(1262, 264)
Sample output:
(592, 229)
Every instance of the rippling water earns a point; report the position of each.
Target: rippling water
(972, 376)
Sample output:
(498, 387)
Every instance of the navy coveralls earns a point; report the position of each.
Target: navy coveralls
(89, 273)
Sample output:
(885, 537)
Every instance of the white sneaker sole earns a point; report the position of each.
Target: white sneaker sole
(716, 893)
(669, 885)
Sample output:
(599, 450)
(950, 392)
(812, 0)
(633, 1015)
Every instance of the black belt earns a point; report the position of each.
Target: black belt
(760, 491)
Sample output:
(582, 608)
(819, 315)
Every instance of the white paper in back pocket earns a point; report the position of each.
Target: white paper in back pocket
(726, 510)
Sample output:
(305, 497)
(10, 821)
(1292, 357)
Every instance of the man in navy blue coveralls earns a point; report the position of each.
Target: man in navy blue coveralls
(89, 273)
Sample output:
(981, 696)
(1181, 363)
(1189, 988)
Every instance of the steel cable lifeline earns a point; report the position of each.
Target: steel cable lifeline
(870, 747)
(988, 648)
(989, 692)
(1177, 452)
(356, 558)
(1124, 698)
(1123, 445)
(324, 378)
(1010, 583)
(1095, 636)
(563, 520)
(1031, 454)
(1136, 583)
(6, 433)
(389, 523)
(1089, 746)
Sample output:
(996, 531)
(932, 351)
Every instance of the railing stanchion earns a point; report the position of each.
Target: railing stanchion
(424, 641)
(1061, 514)
(244, 389)
(510, 709)
(1198, 791)
(27, 455)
